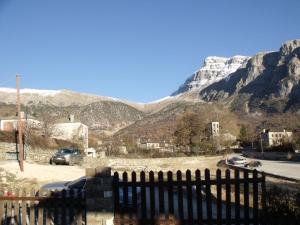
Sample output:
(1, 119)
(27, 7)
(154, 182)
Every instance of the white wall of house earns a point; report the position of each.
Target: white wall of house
(276, 138)
(11, 125)
(71, 132)
(149, 145)
(215, 129)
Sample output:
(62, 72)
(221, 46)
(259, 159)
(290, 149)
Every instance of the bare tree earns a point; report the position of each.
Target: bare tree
(47, 123)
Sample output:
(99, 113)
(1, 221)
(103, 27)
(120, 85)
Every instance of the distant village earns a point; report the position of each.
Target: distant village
(75, 131)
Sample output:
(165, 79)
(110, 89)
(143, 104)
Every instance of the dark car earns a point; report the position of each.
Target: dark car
(253, 164)
(67, 156)
(80, 185)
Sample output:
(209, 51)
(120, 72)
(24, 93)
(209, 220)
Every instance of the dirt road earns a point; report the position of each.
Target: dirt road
(41, 174)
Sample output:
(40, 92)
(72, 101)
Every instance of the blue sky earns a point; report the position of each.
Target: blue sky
(140, 50)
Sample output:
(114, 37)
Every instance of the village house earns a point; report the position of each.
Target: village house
(71, 131)
(11, 124)
(215, 129)
(149, 145)
(275, 138)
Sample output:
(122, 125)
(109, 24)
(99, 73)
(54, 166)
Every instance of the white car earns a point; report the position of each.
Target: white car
(237, 161)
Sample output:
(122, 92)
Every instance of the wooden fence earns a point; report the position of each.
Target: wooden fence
(20, 207)
(189, 199)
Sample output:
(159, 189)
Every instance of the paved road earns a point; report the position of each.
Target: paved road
(288, 169)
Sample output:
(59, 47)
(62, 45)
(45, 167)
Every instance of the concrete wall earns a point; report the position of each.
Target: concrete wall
(273, 156)
(99, 196)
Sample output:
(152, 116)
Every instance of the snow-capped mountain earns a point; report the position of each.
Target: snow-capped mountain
(213, 70)
(31, 91)
(270, 81)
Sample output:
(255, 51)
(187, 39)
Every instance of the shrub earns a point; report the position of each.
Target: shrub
(283, 206)
(9, 137)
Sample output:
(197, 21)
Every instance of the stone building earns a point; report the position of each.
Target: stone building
(149, 145)
(275, 138)
(215, 129)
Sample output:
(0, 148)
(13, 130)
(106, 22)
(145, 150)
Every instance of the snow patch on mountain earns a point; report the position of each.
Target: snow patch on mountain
(213, 70)
(31, 91)
(161, 100)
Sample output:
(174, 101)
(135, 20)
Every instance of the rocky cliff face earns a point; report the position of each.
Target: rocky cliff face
(213, 70)
(268, 81)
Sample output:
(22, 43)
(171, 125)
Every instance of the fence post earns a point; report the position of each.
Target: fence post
(99, 196)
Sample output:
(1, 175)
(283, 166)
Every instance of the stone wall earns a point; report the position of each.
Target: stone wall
(99, 196)
(282, 156)
(40, 155)
(8, 151)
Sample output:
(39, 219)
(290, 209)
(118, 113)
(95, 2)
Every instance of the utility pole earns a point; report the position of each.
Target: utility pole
(261, 144)
(20, 145)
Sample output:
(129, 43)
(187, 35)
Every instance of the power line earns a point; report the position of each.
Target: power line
(7, 81)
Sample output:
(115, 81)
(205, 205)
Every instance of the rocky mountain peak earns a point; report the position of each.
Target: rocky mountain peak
(289, 46)
(214, 69)
(270, 81)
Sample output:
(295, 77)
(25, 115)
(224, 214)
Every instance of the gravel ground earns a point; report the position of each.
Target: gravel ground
(42, 173)
(45, 173)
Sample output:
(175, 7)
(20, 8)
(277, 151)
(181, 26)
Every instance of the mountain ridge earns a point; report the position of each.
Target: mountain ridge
(267, 82)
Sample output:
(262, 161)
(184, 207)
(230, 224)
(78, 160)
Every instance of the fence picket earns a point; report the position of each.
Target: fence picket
(228, 197)
(161, 195)
(152, 195)
(10, 206)
(255, 197)
(116, 195)
(199, 196)
(32, 206)
(189, 196)
(219, 196)
(24, 208)
(180, 195)
(237, 195)
(263, 199)
(125, 209)
(246, 196)
(40, 210)
(63, 206)
(170, 194)
(16, 210)
(143, 195)
(133, 211)
(72, 207)
(208, 196)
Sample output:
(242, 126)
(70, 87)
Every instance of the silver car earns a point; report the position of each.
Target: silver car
(66, 156)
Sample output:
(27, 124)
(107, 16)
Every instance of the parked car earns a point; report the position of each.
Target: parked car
(237, 161)
(253, 164)
(221, 163)
(67, 156)
(80, 185)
